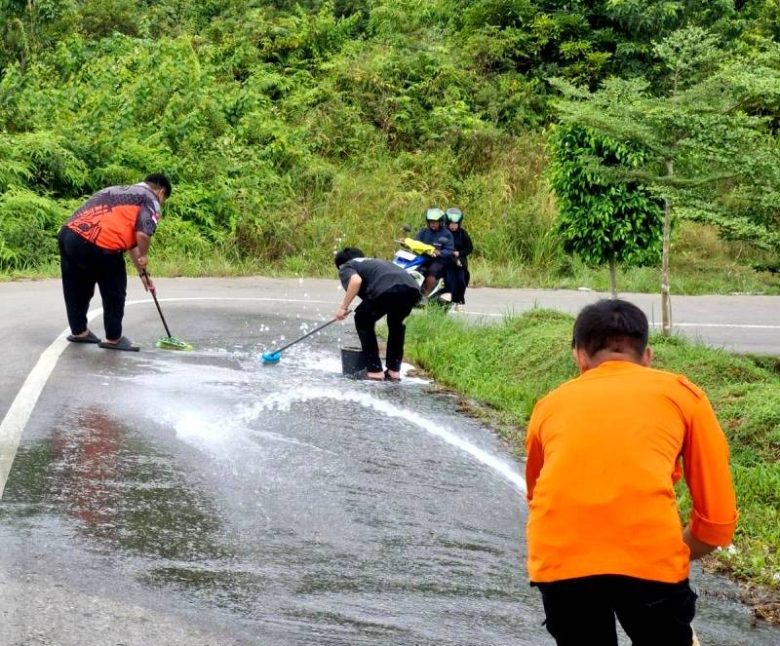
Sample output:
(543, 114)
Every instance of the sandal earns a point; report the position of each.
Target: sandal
(389, 377)
(381, 377)
(123, 344)
(89, 337)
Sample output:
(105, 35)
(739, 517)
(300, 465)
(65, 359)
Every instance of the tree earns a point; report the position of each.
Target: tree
(601, 219)
(708, 152)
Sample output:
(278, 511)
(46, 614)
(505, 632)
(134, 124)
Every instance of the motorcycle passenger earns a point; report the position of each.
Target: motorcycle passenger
(435, 233)
(458, 276)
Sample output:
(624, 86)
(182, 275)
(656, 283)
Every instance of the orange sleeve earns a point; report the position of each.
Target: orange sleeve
(706, 463)
(534, 454)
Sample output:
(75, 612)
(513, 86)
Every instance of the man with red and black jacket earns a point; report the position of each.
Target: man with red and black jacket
(92, 244)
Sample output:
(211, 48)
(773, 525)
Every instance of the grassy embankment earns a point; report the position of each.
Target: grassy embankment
(501, 370)
(510, 215)
(703, 264)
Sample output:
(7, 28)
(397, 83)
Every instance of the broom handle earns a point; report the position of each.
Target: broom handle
(154, 296)
(301, 338)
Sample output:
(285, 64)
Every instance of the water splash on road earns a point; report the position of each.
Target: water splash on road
(284, 400)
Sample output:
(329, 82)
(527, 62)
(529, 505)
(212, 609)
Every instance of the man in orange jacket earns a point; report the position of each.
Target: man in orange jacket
(604, 450)
(92, 244)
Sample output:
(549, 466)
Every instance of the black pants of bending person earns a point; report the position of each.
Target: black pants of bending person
(583, 611)
(397, 304)
(84, 265)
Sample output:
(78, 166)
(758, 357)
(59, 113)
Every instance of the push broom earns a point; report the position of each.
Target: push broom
(167, 342)
(276, 355)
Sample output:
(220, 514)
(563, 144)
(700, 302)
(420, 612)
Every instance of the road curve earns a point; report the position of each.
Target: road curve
(32, 334)
(34, 313)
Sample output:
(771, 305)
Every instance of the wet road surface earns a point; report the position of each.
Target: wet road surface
(206, 498)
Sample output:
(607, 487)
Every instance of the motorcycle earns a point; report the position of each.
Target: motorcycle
(412, 257)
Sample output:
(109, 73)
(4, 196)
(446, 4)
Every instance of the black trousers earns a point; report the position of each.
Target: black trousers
(397, 304)
(582, 611)
(436, 268)
(456, 281)
(84, 265)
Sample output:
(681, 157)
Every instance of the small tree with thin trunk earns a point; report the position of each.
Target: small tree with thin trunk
(600, 219)
(707, 151)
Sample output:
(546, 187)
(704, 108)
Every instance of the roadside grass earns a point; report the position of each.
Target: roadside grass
(501, 370)
(520, 250)
(713, 277)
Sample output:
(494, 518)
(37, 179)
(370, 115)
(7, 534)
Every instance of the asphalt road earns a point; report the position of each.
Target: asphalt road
(58, 584)
(34, 315)
(205, 498)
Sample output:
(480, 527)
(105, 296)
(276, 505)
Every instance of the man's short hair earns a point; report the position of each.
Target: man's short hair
(157, 181)
(612, 324)
(347, 254)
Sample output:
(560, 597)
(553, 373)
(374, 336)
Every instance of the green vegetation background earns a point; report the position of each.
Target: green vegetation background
(292, 128)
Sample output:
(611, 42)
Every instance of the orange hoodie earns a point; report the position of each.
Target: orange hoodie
(603, 454)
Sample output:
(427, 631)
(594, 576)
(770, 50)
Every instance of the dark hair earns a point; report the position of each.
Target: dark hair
(158, 180)
(612, 324)
(347, 254)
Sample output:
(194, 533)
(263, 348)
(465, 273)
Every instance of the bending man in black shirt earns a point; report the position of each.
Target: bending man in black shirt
(384, 289)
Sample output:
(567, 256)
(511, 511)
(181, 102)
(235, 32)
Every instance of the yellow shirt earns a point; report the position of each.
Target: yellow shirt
(603, 453)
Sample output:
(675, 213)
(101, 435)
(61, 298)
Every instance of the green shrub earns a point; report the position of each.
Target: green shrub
(26, 227)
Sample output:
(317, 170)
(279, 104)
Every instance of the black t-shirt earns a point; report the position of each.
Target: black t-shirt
(378, 276)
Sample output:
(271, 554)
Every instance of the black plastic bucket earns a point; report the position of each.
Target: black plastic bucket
(353, 363)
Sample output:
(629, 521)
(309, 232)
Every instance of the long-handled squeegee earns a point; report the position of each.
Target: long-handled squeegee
(167, 342)
(273, 357)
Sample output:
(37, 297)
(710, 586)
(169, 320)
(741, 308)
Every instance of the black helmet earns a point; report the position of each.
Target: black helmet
(434, 214)
(454, 214)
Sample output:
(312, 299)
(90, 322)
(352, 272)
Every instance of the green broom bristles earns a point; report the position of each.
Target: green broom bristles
(172, 343)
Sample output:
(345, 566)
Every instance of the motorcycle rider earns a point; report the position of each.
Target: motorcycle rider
(458, 276)
(435, 233)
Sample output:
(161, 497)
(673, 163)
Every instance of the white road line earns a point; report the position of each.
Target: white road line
(21, 408)
(656, 324)
(15, 420)
(23, 404)
(19, 413)
(740, 326)
(237, 298)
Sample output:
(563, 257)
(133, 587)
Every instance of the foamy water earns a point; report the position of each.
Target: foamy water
(283, 401)
(222, 432)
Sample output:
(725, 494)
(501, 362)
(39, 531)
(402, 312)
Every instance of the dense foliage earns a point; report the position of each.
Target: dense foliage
(290, 128)
(700, 136)
(705, 141)
(604, 220)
